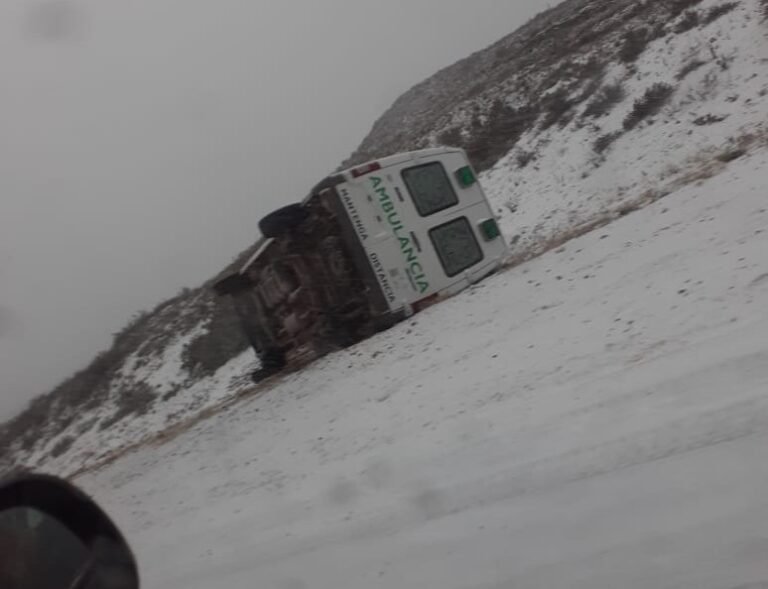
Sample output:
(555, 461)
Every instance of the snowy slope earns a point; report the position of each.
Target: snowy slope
(716, 109)
(522, 108)
(151, 391)
(594, 418)
(552, 185)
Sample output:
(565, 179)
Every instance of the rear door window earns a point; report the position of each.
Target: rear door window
(430, 188)
(456, 246)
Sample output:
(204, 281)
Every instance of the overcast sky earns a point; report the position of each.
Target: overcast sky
(141, 141)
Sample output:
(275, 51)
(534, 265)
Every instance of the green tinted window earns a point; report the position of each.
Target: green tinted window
(430, 188)
(456, 246)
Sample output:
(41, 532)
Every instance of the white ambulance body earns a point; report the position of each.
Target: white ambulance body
(425, 224)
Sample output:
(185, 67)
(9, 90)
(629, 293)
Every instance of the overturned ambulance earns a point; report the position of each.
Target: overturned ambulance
(365, 249)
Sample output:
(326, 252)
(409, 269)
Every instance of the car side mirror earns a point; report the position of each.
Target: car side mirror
(53, 536)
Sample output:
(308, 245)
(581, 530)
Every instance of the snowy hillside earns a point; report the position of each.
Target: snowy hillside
(167, 367)
(595, 418)
(595, 108)
(592, 110)
(594, 167)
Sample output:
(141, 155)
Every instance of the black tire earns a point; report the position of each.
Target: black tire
(283, 221)
(272, 359)
(272, 362)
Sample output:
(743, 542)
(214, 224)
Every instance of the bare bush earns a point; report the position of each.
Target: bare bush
(633, 45)
(502, 129)
(62, 446)
(175, 390)
(705, 90)
(523, 158)
(708, 119)
(556, 107)
(112, 420)
(588, 90)
(603, 142)
(690, 20)
(649, 104)
(590, 70)
(635, 10)
(7, 443)
(689, 68)
(28, 441)
(677, 7)
(86, 425)
(137, 399)
(719, 10)
(722, 61)
(26, 428)
(607, 97)
(451, 137)
(731, 155)
(576, 82)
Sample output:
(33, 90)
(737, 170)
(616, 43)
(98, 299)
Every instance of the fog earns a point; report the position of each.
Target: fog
(141, 141)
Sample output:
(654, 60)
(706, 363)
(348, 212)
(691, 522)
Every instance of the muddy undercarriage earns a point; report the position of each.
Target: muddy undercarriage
(304, 295)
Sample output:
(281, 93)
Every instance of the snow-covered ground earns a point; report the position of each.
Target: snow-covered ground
(184, 399)
(595, 418)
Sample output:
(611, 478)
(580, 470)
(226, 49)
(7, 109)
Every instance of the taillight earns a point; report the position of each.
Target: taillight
(490, 229)
(366, 169)
(466, 176)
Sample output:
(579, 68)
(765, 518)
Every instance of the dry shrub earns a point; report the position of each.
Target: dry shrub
(603, 142)
(503, 127)
(649, 104)
(708, 119)
(87, 425)
(634, 43)
(110, 421)
(556, 107)
(689, 68)
(523, 158)
(607, 97)
(7, 443)
(706, 88)
(588, 90)
(677, 7)
(720, 10)
(136, 400)
(451, 137)
(690, 20)
(731, 155)
(26, 428)
(62, 446)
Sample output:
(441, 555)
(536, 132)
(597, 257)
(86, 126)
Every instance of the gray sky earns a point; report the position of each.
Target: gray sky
(141, 141)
